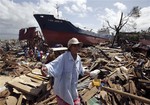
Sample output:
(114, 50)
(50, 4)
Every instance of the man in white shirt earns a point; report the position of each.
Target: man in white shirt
(66, 69)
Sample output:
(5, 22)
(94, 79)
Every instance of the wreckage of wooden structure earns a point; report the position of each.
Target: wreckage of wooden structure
(124, 79)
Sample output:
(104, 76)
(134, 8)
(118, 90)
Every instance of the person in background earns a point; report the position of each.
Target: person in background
(31, 54)
(26, 51)
(38, 55)
(66, 69)
(50, 55)
(7, 46)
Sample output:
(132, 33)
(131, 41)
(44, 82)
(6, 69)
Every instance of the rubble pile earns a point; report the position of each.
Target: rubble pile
(127, 78)
(12, 67)
(124, 79)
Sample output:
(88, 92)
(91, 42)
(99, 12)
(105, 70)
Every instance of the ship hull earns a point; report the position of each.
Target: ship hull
(57, 31)
(52, 38)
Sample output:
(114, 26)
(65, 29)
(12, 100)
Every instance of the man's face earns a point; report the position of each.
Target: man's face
(75, 48)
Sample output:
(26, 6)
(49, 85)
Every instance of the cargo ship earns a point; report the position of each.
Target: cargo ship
(59, 31)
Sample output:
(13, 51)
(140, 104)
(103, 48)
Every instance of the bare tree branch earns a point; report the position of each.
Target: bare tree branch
(110, 25)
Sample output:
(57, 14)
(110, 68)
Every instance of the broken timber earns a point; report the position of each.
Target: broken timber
(31, 84)
(139, 98)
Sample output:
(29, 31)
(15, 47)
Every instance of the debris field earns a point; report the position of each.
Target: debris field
(124, 77)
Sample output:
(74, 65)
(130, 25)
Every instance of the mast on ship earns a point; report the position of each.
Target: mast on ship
(57, 7)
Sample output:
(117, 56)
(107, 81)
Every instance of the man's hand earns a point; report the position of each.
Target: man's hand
(44, 70)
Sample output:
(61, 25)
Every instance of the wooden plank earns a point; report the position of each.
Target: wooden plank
(20, 100)
(23, 79)
(118, 59)
(28, 80)
(108, 68)
(105, 55)
(52, 97)
(89, 94)
(132, 87)
(83, 78)
(36, 76)
(104, 95)
(139, 98)
(113, 72)
(54, 102)
(144, 81)
(25, 88)
(11, 100)
(4, 92)
(83, 91)
(37, 71)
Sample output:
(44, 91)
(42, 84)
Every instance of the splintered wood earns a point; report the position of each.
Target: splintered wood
(125, 79)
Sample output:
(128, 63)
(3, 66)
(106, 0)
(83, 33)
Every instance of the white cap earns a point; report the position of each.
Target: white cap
(74, 41)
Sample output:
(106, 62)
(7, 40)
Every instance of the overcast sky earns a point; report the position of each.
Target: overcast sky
(92, 14)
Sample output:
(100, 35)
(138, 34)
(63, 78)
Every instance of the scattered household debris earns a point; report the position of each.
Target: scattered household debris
(124, 77)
